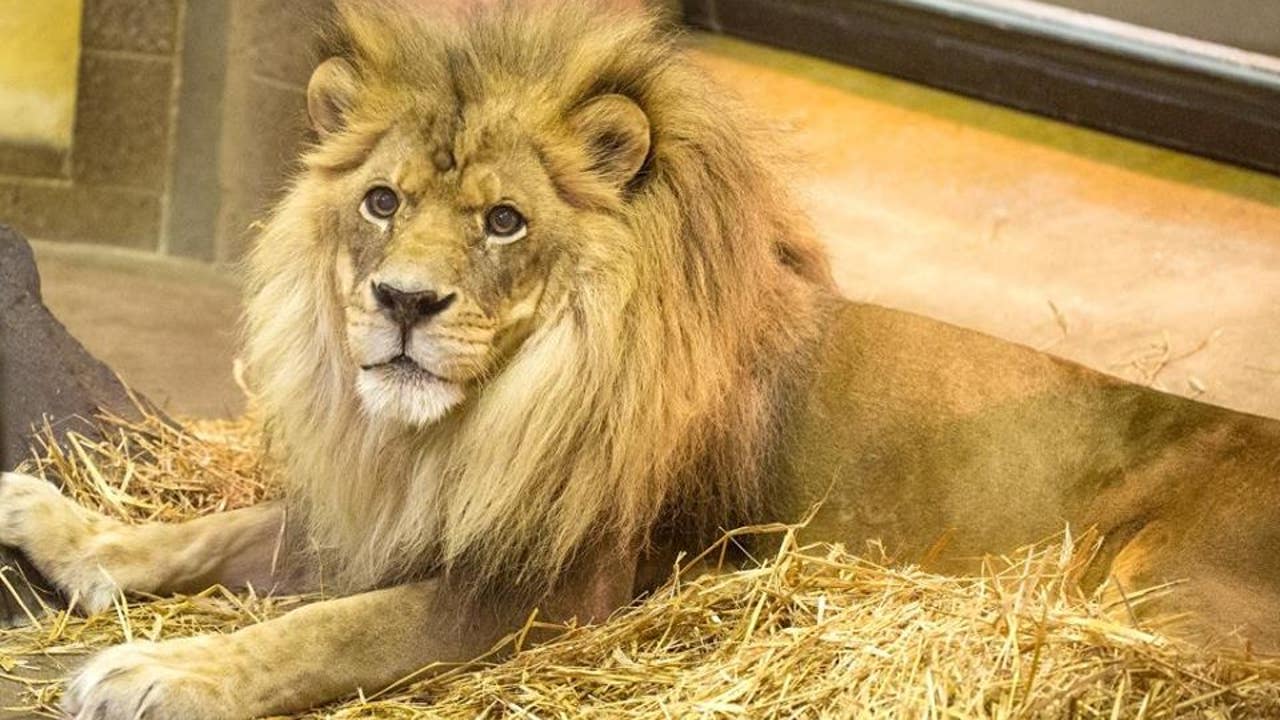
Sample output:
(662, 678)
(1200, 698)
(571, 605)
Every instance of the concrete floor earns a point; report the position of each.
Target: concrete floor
(1097, 249)
(167, 326)
(1114, 254)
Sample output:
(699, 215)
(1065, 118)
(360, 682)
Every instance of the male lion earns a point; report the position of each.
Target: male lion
(536, 316)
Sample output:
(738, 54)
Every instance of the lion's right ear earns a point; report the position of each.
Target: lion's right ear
(330, 94)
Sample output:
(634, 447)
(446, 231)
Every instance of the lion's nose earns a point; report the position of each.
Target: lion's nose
(408, 308)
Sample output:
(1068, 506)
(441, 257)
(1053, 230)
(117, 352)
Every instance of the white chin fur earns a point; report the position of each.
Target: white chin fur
(413, 402)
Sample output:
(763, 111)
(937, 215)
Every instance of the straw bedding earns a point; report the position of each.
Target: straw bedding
(814, 632)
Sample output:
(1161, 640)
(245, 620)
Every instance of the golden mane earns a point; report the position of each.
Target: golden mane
(651, 396)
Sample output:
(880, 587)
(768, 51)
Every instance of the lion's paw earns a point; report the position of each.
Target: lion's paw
(55, 534)
(172, 680)
(23, 499)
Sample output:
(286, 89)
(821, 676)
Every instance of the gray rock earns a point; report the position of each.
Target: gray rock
(44, 372)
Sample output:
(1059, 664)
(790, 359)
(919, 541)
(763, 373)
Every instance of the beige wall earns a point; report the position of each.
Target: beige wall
(38, 61)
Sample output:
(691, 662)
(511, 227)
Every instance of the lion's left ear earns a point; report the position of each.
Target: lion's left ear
(616, 133)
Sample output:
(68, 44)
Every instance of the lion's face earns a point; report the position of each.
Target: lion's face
(455, 237)
(442, 265)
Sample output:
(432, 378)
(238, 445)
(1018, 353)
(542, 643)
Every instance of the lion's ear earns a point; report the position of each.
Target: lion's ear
(330, 94)
(616, 133)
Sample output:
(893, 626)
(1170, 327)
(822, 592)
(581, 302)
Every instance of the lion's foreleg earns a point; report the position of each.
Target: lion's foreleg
(329, 650)
(92, 557)
(313, 655)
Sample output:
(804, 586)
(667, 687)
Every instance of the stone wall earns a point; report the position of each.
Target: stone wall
(110, 187)
(187, 115)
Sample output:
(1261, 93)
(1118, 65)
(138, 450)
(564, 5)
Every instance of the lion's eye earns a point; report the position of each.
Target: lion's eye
(504, 224)
(381, 203)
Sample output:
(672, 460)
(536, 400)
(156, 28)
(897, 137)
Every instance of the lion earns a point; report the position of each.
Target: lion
(537, 315)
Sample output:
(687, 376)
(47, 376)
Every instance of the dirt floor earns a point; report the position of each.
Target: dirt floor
(1153, 265)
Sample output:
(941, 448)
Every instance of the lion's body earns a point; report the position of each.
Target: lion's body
(946, 445)
(574, 327)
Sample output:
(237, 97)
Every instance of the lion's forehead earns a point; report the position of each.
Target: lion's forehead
(470, 186)
(464, 164)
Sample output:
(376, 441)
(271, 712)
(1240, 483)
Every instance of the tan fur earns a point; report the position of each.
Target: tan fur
(643, 359)
(657, 355)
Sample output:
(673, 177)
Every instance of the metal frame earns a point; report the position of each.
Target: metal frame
(1156, 87)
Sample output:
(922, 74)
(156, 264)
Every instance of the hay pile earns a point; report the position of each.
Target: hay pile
(812, 633)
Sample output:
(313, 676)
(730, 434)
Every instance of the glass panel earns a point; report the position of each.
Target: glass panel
(1149, 29)
(1252, 25)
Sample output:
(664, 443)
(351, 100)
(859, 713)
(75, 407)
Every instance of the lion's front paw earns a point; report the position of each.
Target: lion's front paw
(172, 680)
(24, 500)
(57, 536)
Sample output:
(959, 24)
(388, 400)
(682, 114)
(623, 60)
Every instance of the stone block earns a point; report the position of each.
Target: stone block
(122, 121)
(100, 215)
(32, 160)
(140, 26)
(258, 159)
(283, 39)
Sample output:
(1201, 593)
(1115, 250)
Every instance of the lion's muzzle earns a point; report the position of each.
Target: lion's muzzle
(415, 346)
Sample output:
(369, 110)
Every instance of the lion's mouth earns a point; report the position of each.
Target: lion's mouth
(401, 388)
(404, 367)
